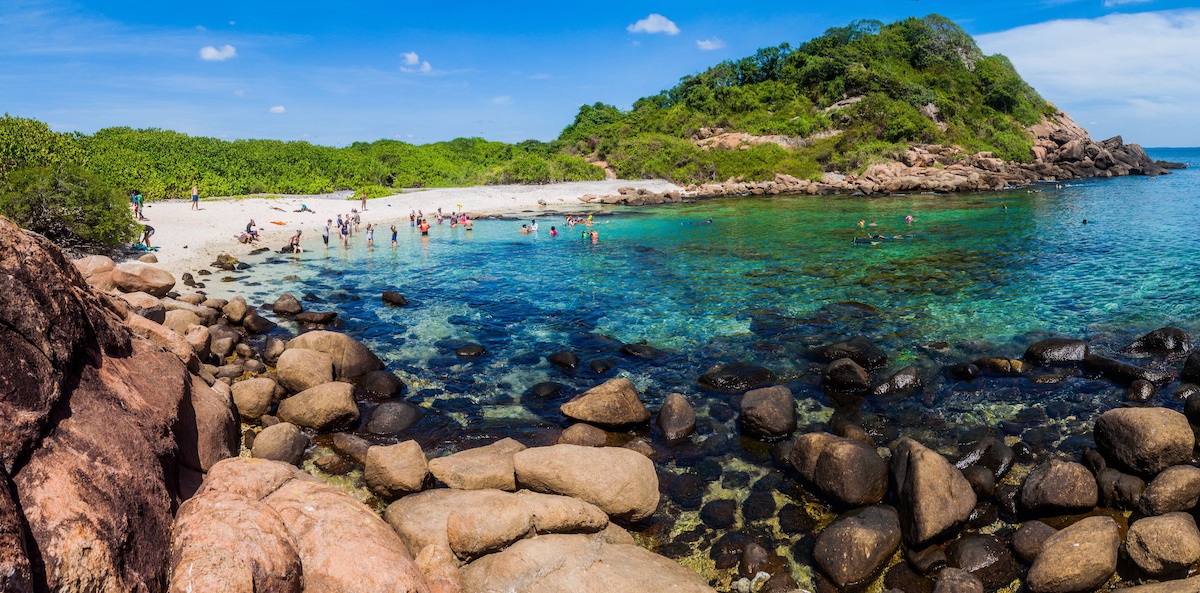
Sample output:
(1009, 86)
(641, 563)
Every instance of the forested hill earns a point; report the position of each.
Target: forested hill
(835, 103)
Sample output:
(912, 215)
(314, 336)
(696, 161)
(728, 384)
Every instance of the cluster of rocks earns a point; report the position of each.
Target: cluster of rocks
(629, 196)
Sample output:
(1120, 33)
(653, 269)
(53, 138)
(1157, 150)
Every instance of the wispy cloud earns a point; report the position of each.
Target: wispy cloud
(212, 54)
(502, 100)
(277, 109)
(413, 63)
(710, 44)
(1115, 3)
(655, 23)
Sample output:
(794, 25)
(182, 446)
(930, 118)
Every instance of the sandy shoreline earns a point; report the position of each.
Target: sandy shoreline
(188, 239)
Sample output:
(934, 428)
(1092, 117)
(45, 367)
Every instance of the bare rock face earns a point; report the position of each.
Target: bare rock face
(15, 574)
(621, 482)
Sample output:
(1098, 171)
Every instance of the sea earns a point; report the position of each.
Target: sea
(765, 281)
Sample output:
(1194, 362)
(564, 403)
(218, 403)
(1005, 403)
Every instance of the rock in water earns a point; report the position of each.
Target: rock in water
(316, 317)
(612, 403)
(1191, 368)
(855, 546)
(565, 360)
(1059, 486)
(322, 408)
(1077, 559)
(393, 417)
(769, 412)
(621, 482)
(471, 351)
(299, 369)
(1164, 547)
(1122, 372)
(1165, 340)
(1144, 440)
(934, 496)
(394, 298)
(481, 468)
(735, 378)
(287, 304)
(844, 374)
(677, 419)
(1056, 351)
(350, 357)
(905, 380)
(858, 349)
(1029, 538)
(846, 469)
(584, 435)
(282, 442)
(381, 384)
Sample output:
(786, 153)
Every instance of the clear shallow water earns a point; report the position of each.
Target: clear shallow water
(766, 281)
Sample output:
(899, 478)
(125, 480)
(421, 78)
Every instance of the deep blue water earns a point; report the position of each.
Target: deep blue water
(765, 282)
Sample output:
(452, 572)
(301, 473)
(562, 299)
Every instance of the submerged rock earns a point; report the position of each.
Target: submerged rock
(470, 351)
(677, 419)
(565, 360)
(394, 298)
(905, 380)
(1122, 372)
(859, 349)
(844, 374)
(1165, 340)
(735, 378)
(1057, 351)
(769, 412)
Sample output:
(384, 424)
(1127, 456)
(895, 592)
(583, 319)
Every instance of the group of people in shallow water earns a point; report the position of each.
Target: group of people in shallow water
(350, 225)
(532, 227)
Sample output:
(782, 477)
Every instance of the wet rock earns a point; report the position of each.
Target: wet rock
(257, 324)
(142, 277)
(905, 380)
(546, 389)
(1122, 372)
(687, 490)
(859, 349)
(393, 417)
(1027, 541)
(1164, 547)
(470, 351)
(676, 418)
(1059, 486)
(299, 369)
(287, 304)
(396, 470)
(934, 496)
(1144, 440)
(854, 547)
(846, 469)
(985, 556)
(381, 384)
(565, 360)
(1056, 351)
(322, 408)
(735, 378)
(844, 374)
(842, 426)
(1119, 490)
(335, 465)
(600, 366)
(1165, 340)
(768, 413)
(757, 506)
(718, 514)
(991, 453)
(316, 317)
(481, 468)
(1077, 559)
(1004, 366)
(1191, 368)
(963, 371)
(639, 351)
(350, 357)
(953, 580)
(394, 298)
(352, 446)
(926, 560)
(621, 482)
(612, 403)
(273, 349)
(584, 435)
(1140, 391)
(253, 397)
(282, 442)
(983, 482)
(1176, 488)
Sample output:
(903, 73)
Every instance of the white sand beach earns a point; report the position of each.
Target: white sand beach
(187, 239)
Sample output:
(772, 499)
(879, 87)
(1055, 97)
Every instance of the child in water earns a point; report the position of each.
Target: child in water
(370, 235)
(553, 232)
(393, 236)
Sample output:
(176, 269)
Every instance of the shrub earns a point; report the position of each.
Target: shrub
(67, 204)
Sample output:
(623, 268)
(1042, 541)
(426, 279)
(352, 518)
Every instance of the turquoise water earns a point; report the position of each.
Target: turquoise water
(766, 281)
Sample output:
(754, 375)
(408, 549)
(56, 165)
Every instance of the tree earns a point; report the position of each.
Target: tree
(67, 204)
(28, 142)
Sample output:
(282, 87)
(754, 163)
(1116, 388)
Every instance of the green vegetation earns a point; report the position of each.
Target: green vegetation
(67, 204)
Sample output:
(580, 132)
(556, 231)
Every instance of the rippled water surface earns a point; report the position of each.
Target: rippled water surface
(764, 282)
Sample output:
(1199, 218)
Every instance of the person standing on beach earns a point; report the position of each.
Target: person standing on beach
(147, 232)
(363, 200)
(325, 232)
(195, 196)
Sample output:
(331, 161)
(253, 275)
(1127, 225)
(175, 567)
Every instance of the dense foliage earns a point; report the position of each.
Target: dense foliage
(920, 80)
(67, 204)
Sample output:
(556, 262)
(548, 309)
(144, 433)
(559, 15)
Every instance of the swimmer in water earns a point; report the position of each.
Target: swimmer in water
(553, 232)
(873, 223)
(861, 223)
(595, 237)
(908, 219)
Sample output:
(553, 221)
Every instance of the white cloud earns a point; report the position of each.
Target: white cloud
(277, 109)
(413, 63)
(502, 100)
(212, 54)
(411, 58)
(655, 23)
(710, 44)
(1113, 3)
(1117, 69)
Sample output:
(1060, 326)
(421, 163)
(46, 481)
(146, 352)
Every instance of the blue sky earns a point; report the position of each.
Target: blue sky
(336, 73)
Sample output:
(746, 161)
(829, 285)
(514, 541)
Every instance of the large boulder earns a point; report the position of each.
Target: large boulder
(235, 310)
(846, 469)
(1165, 340)
(854, 547)
(299, 369)
(769, 412)
(492, 521)
(1177, 488)
(322, 408)
(623, 483)
(393, 417)
(1077, 559)
(208, 426)
(933, 495)
(253, 397)
(1056, 351)
(676, 418)
(350, 357)
(140, 277)
(287, 304)
(487, 467)
(280, 442)
(94, 264)
(1059, 486)
(1144, 440)
(396, 470)
(145, 305)
(582, 563)
(735, 378)
(1164, 547)
(612, 403)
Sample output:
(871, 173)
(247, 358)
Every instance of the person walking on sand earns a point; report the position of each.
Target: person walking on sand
(325, 232)
(195, 197)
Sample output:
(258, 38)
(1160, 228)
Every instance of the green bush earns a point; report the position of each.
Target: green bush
(67, 204)
(31, 143)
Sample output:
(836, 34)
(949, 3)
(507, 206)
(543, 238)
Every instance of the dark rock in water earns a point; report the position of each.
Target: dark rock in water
(844, 374)
(986, 557)
(1123, 372)
(926, 560)
(381, 384)
(333, 464)
(316, 317)
(687, 490)
(564, 360)
(848, 470)
(394, 298)
(310, 297)
(1059, 486)
(243, 266)
(584, 435)
(1081, 557)
(257, 324)
(1094, 461)
(953, 580)
(676, 418)
(600, 366)
(982, 481)
(1140, 391)
(354, 447)
(843, 426)
(1028, 539)
(393, 417)
(1191, 408)
(546, 389)
(1185, 392)
(794, 520)
(470, 351)
(758, 505)
(963, 371)
(858, 349)
(990, 453)
(1166, 340)
(735, 378)
(934, 496)
(1191, 368)
(286, 304)
(1144, 440)
(1164, 547)
(1177, 488)
(639, 351)
(1004, 366)
(906, 380)
(853, 548)
(1056, 351)
(768, 413)
(718, 514)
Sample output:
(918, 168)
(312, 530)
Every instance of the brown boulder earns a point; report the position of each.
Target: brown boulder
(612, 403)
(350, 357)
(253, 397)
(492, 521)
(94, 264)
(141, 277)
(676, 418)
(487, 467)
(299, 369)
(280, 442)
(1077, 559)
(1144, 440)
(1177, 488)
(584, 435)
(934, 497)
(179, 320)
(396, 470)
(145, 305)
(623, 483)
(852, 548)
(769, 412)
(562, 514)
(322, 408)
(208, 427)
